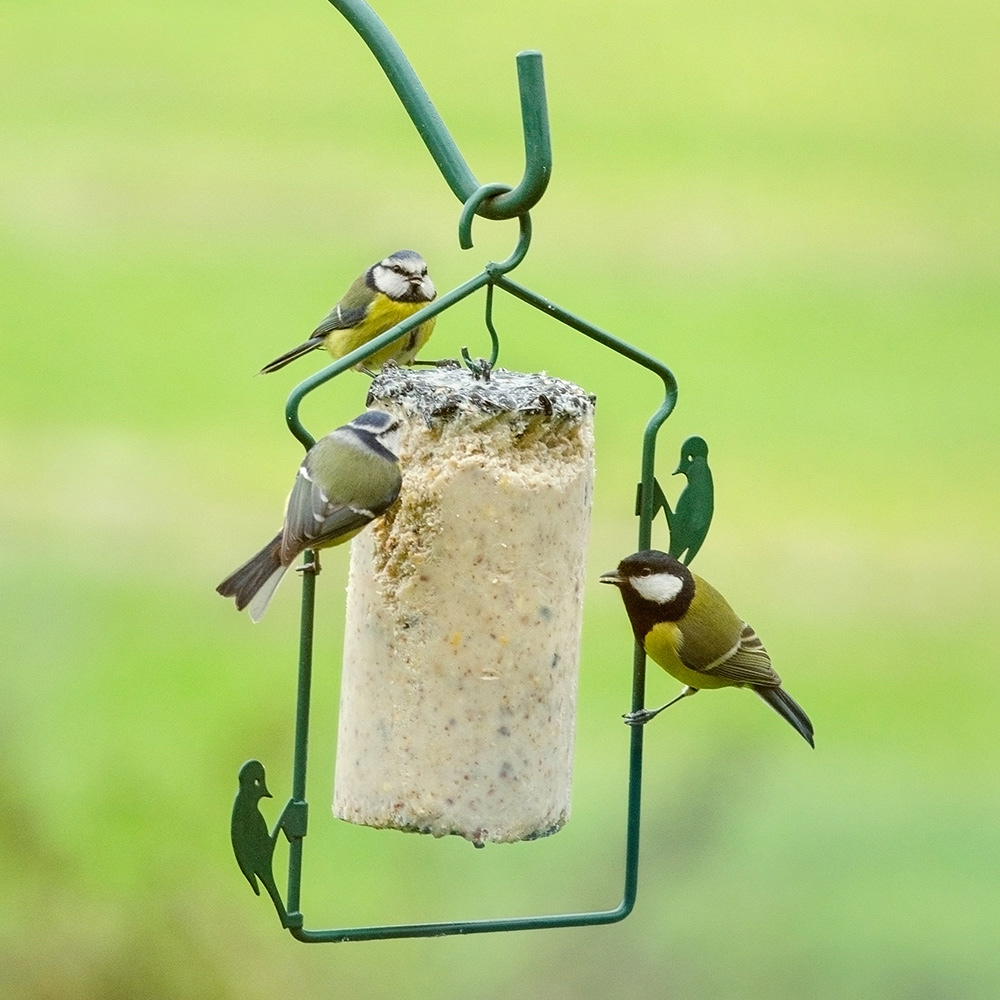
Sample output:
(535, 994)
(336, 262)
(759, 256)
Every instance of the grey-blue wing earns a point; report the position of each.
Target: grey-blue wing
(340, 317)
(350, 310)
(318, 525)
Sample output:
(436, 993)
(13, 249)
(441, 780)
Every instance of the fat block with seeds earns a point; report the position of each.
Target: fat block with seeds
(464, 606)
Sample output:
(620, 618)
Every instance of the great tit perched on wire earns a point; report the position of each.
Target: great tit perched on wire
(348, 478)
(387, 293)
(688, 628)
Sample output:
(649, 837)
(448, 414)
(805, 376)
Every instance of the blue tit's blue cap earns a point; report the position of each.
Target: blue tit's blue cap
(374, 421)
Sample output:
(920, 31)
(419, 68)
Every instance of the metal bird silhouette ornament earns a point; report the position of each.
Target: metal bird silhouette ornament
(252, 844)
(689, 522)
(693, 513)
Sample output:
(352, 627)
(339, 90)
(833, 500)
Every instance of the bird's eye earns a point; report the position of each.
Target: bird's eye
(645, 571)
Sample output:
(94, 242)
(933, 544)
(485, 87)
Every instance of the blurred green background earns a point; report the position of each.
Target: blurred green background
(794, 204)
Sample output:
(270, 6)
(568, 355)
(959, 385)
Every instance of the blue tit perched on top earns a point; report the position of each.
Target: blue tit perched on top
(387, 293)
(689, 629)
(347, 479)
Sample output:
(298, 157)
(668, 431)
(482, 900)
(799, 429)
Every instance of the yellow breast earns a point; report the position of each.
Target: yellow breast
(663, 643)
(384, 314)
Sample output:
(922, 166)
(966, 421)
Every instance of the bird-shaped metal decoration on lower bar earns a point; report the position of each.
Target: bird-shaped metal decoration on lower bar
(252, 844)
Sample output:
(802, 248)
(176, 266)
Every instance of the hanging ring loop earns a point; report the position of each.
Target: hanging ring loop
(495, 269)
(469, 209)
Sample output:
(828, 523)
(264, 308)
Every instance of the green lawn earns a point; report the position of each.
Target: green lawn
(794, 206)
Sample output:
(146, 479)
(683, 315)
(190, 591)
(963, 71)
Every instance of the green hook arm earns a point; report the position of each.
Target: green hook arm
(437, 138)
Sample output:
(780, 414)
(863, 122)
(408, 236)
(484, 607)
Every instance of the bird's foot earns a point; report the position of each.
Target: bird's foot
(310, 567)
(641, 716)
(439, 363)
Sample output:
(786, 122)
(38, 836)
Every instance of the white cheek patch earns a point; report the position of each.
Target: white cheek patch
(660, 587)
(394, 285)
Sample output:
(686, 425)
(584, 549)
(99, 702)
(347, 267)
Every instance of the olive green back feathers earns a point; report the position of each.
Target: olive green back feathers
(347, 479)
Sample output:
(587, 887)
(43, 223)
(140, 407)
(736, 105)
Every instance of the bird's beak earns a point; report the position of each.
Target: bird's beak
(679, 469)
(611, 577)
(265, 793)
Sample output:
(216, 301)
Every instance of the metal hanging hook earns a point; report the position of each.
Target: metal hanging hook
(534, 118)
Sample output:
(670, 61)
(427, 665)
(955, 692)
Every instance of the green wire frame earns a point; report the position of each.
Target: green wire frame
(491, 201)
(292, 821)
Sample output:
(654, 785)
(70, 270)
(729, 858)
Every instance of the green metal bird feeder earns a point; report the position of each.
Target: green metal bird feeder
(541, 405)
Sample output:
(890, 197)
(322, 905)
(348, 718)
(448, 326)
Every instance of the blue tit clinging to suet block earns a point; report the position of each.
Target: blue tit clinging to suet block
(689, 629)
(387, 293)
(347, 479)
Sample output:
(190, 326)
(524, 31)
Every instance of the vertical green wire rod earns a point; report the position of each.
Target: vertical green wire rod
(492, 201)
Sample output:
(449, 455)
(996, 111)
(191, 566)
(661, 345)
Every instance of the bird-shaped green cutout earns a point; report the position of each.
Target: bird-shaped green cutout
(688, 524)
(693, 514)
(252, 844)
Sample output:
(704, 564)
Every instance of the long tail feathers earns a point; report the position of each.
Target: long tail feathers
(296, 352)
(786, 706)
(255, 581)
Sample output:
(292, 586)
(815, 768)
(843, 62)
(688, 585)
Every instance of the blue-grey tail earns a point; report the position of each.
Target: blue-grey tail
(296, 352)
(789, 709)
(254, 582)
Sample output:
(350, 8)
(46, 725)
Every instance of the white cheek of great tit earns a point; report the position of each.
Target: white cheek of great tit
(659, 587)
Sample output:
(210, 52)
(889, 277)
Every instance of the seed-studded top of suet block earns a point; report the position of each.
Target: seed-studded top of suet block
(440, 395)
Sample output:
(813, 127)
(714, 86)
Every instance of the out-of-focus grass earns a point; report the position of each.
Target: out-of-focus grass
(795, 207)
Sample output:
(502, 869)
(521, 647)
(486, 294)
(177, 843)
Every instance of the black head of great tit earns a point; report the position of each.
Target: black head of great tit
(347, 479)
(387, 293)
(686, 626)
